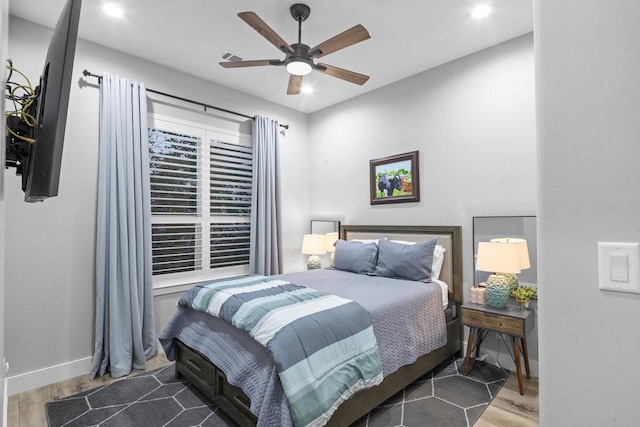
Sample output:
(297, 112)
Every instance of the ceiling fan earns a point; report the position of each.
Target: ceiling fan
(299, 60)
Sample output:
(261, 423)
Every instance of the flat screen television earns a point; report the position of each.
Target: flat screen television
(39, 162)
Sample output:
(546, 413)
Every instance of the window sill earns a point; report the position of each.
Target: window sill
(173, 289)
(178, 288)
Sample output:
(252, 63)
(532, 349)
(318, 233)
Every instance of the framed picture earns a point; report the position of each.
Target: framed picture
(395, 179)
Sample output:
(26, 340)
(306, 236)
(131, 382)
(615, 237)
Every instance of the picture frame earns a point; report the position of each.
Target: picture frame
(395, 179)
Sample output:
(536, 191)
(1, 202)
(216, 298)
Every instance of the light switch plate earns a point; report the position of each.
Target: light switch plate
(617, 262)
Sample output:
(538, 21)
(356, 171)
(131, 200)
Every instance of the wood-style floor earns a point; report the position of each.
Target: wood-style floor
(507, 409)
(27, 409)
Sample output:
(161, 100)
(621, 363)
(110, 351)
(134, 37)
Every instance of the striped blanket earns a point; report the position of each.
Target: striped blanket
(323, 345)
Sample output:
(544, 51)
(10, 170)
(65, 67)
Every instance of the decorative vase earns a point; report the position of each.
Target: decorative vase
(498, 290)
(478, 295)
(524, 303)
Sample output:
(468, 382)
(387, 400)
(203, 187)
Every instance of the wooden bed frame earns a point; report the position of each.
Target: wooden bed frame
(212, 381)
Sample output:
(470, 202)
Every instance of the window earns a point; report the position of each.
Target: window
(201, 180)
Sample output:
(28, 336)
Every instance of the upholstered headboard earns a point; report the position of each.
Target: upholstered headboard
(449, 237)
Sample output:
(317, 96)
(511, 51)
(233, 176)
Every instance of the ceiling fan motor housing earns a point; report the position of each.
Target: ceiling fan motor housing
(301, 50)
(299, 56)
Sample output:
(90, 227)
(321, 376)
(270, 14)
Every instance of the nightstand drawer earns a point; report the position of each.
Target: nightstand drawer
(508, 325)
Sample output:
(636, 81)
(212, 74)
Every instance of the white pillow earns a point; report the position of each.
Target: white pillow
(404, 242)
(365, 240)
(438, 258)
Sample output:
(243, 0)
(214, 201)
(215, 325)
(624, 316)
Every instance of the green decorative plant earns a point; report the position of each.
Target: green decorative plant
(524, 293)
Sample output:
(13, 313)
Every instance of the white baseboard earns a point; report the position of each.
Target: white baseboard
(504, 360)
(52, 374)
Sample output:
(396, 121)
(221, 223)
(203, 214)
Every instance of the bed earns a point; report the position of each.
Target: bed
(241, 367)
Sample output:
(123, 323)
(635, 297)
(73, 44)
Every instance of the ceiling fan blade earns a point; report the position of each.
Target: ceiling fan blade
(257, 63)
(347, 38)
(265, 31)
(295, 83)
(341, 73)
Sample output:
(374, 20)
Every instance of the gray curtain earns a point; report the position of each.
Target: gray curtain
(125, 328)
(265, 247)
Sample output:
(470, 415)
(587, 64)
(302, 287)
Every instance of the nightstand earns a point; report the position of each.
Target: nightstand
(513, 321)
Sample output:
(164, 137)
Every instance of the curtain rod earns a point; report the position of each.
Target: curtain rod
(90, 74)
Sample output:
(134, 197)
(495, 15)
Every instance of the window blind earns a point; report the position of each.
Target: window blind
(201, 185)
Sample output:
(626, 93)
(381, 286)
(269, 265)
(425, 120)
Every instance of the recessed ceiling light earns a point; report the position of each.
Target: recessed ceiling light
(306, 89)
(480, 11)
(112, 9)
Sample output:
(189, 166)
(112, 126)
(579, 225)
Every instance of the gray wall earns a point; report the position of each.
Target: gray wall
(473, 121)
(588, 105)
(50, 246)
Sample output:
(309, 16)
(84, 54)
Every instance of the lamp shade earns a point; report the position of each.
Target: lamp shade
(314, 244)
(523, 251)
(497, 257)
(330, 240)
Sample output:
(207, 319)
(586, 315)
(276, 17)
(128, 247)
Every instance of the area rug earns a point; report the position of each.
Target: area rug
(442, 397)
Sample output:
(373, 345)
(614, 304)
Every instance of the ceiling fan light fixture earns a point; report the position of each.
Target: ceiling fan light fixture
(298, 68)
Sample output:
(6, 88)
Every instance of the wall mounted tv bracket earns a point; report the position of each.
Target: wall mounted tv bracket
(16, 149)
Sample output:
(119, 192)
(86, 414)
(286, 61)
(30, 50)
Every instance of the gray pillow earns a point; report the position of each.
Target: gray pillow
(356, 257)
(411, 262)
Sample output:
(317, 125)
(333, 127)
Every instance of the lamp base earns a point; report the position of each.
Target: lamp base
(314, 262)
(498, 290)
(332, 259)
(512, 280)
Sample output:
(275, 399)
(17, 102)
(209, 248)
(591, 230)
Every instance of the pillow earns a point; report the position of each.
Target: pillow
(438, 258)
(365, 240)
(356, 257)
(404, 242)
(404, 261)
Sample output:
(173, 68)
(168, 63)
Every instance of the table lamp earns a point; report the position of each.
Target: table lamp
(498, 258)
(523, 257)
(314, 245)
(330, 241)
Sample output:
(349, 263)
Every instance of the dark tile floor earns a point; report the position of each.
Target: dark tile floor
(154, 398)
(442, 397)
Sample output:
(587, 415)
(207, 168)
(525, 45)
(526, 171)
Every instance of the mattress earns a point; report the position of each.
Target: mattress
(408, 321)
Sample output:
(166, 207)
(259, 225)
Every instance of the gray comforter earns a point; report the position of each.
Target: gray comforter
(408, 321)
